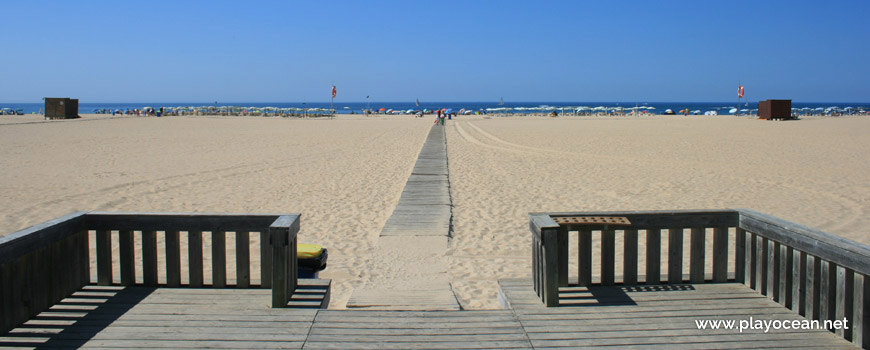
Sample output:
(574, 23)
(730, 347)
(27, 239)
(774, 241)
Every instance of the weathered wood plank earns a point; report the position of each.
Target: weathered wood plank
(697, 260)
(653, 256)
(720, 254)
(630, 257)
(755, 264)
(208, 222)
(799, 297)
(764, 259)
(584, 255)
(149, 258)
(815, 296)
(173, 259)
(740, 260)
(787, 285)
(243, 259)
(104, 257)
(265, 259)
(775, 273)
(127, 255)
(675, 255)
(563, 255)
(219, 259)
(844, 300)
(551, 267)
(194, 258)
(657, 219)
(608, 257)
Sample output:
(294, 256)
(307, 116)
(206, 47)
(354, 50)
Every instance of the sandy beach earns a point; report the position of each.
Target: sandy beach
(345, 176)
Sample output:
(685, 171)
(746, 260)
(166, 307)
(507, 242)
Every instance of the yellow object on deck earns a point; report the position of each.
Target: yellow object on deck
(308, 251)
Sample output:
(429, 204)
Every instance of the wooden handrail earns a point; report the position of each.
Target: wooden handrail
(816, 274)
(41, 265)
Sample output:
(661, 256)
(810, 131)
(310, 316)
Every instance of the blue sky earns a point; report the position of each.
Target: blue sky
(289, 51)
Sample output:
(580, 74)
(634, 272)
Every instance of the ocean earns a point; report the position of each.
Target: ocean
(357, 107)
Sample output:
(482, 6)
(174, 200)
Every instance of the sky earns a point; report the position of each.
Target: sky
(399, 51)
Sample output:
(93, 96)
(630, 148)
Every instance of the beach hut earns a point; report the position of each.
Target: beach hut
(61, 108)
(774, 109)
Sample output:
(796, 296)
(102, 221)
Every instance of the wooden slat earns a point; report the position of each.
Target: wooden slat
(173, 259)
(194, 258)
(844, 300)
(776, 275)
(608, 257)
(788, 285)
(536, 265)
(675, 255)
(630, 257)
(861, 335)
(824, 291)
(720, 254)
(740, 266)
(104, 257)
(563, 255)
(584, 255)
(243, 259)
(799, 296)
(755, 264)
(127, 255)
(832, 291)
(653, 256)
(814, 302)
(219, 259)
(265, 259)
(763, 266)
(149, 258)
(7, 322)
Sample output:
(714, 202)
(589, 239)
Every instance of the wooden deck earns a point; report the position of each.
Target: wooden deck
(644, 317)
(656, 317)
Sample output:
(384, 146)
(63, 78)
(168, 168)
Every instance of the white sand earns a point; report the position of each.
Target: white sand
(345, 176)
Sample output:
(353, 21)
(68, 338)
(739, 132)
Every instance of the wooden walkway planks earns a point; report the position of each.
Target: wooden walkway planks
(141, 317)
(424, 208)
(655, 317)
(421, 300)
(410, 253)
(352, 329)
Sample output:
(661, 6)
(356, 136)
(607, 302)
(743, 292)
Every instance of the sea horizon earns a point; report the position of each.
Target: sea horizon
(356, 107)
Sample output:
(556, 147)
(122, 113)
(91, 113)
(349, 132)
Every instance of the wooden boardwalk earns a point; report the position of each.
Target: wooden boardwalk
(639, 317)
(424, 209)
(410, 254)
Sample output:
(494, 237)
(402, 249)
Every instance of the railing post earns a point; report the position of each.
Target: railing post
(551, 266)
(284, 275)
(280, 295)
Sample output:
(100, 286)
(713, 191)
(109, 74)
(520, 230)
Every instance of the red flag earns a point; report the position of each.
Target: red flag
(333, 91)
(739, 91)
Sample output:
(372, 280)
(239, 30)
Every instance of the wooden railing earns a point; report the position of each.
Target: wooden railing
(43, 264)
(815, 274)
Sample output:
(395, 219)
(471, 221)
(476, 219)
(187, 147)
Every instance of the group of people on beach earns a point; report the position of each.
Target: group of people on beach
(441, 116)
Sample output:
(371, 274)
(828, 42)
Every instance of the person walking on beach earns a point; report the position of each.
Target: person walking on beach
(437, 116)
